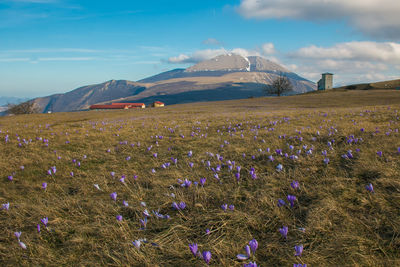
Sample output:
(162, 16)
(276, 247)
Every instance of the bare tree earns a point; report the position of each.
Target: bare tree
(280, 85)
(28, 107)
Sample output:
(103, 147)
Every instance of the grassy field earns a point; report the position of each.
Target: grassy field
(324, 149)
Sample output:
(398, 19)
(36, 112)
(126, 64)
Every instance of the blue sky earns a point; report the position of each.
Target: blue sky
(54, 46)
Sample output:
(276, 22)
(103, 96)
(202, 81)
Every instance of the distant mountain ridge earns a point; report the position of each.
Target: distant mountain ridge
(224, 77)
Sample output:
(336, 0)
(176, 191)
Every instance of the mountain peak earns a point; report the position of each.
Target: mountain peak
(226, 62)
(235, 62)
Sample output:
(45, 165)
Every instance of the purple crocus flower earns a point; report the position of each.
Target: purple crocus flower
(186, 183)
(182, 205)
(119, 218)
(190, 153)
(250, 264)
(114, 196)
(253, 245)
(128, 158)
(136, 243)
(206, 256)
(224, 207)
(326, 161)
(291, 200)
(5, 206)
(38, 228)
(203, 181)
(379, 153)
(248, 252)
(112, 174)
(22, 245)
(10, 178)
(45, 221)
(72, 174)
(143, 222)
(175, 206)
(298, 249)
(299, 265)
(231, 207)
(193, 249)
(281, 203)
(279, 167)
(294, 184)
(44, 185)
(125, 203)
(284, 231)
(370, 188)
(18, 234)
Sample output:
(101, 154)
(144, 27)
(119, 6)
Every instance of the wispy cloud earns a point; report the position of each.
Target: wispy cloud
(378, 19)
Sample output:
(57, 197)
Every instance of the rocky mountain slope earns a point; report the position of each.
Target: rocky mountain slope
(224, 77)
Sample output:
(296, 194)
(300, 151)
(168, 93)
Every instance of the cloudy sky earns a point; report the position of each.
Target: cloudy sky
(54, 46)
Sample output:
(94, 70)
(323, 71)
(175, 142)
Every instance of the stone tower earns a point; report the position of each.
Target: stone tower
(326, 82)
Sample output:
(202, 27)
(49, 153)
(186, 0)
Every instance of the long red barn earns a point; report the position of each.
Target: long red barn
(119, 106)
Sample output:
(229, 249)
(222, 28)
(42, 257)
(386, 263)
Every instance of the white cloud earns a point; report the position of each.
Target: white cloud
(266, 50)
(361, 51)
(378, 18)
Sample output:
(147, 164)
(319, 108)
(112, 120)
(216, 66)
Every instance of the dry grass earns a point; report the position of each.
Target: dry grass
(345, 225)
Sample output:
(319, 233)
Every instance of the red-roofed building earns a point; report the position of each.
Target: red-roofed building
(158, 104)
(130, 105)
(119, 106)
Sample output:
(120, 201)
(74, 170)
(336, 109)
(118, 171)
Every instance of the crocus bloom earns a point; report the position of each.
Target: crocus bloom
(291, 200)
(38, 228)
(294, 184)
(253, 245)
(299, 250)
(203, 181)
(207, 256)
(242, 257)
(119, 217)
(18, 234)
(97, 186)
(136, 243)
(250, 264)
(370, 188)
(10, 177)
(182, 205)
(175, 206)
(379, 153)
(44, 185)
(193, 249)
(5, 206)
(125, 203)
(247, 248)
(231, 207)
(45, 221)
(114, 196)
(284, 231)
(22, 245)
(299, 265)
(224, 207)
(279, 167)
(281, 203)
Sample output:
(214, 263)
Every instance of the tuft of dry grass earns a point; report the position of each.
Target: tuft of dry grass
(334, 217)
